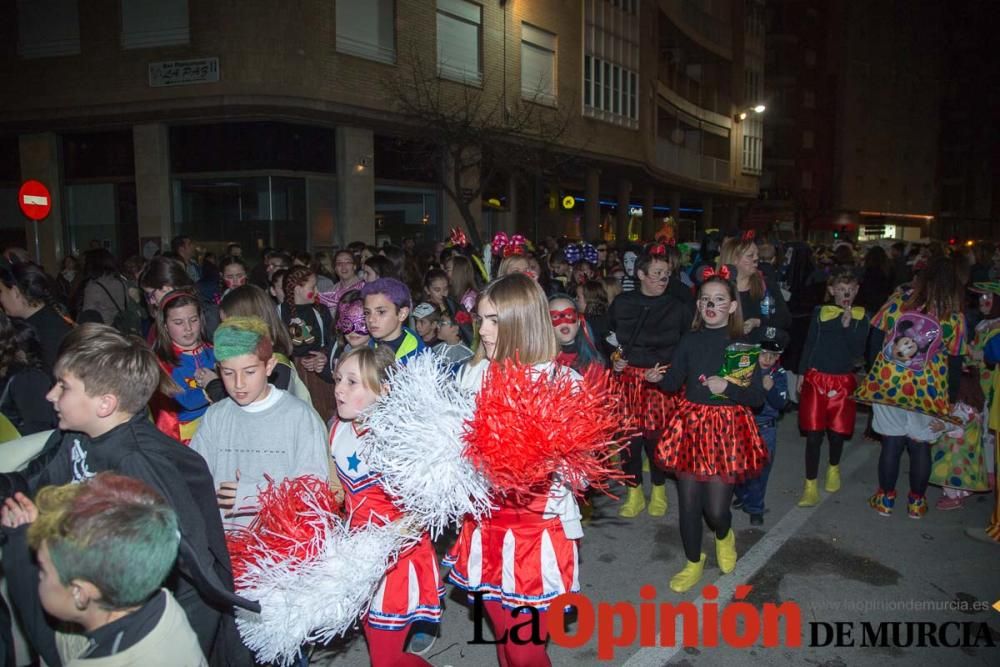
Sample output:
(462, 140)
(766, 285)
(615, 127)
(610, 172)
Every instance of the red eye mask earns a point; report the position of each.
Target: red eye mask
(566, 316)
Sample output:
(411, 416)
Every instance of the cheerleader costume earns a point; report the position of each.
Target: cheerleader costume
(411, 589)
(522, 554)
(711, 438)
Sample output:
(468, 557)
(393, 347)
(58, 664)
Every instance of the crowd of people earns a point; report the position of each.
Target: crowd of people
(176, 389)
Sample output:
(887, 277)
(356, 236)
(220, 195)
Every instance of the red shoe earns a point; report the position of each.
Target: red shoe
(946, 503)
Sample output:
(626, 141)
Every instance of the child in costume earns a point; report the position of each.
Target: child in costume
(835, 343)
(426, 317)
(411, 590)
(913, 393)
(387, 307)
(576, 342)
(311, 329)
(711, 442)
(260, 431)
(187, 359)
(648, 324)
(750, 494)
(542, 562)
(962, 464)
(350, 325)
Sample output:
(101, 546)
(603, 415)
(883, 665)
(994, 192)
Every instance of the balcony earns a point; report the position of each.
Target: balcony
(690, 164)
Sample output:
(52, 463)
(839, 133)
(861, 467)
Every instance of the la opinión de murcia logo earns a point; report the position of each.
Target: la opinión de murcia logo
(738, 624)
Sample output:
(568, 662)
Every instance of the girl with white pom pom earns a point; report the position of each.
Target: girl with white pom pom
(515, 324)
(361, 377)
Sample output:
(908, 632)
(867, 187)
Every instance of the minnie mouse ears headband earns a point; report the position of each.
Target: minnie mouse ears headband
(580, 252)
(505, 246)
(708, 272)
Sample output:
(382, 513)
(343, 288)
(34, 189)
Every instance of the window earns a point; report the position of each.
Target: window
(538, 65)
(47, 28)
(367, 29)
(458, 33)
(809, 99)
(147, 23)
(611, 61)
(753, 142)
(808, 138)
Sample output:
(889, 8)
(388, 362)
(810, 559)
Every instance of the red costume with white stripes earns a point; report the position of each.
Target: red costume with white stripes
(412, 588)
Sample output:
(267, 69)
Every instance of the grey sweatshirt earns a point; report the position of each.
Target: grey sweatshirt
(280, 437)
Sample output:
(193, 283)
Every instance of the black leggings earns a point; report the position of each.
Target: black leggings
(888, 463)
(632, 462)
(814, 441)
(696, 498)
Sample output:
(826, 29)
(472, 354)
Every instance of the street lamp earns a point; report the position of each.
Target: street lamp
(759, 108)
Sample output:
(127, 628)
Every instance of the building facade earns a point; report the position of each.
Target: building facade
(277, 124)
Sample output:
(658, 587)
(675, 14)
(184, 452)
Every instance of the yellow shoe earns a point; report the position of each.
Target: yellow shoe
(635, 502)
(725, 552)
(832, 479)
(688, 577)
(810, 496)
(658, 500)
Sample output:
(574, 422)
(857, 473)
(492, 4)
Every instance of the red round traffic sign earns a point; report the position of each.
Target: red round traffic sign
(34, 200)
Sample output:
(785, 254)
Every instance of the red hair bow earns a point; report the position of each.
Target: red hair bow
(505, 247)
(658, 250)
(709, 272)
(458, 238)
(748, 235)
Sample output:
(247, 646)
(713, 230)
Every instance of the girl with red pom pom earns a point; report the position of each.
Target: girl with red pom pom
(411, 590)
(711, 442)
(515, 325)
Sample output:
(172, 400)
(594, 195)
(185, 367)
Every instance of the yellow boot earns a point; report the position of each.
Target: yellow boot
(688, 577)
(635, 502)
(658, 500)
(832, 479)
(725, 552)
(810, 496)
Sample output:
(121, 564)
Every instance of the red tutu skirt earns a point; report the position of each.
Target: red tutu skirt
(819, 411)
(649, 406)
(515, 557)
(410, 591)
(712, 442)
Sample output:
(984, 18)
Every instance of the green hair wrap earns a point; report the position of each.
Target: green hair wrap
(238, 336)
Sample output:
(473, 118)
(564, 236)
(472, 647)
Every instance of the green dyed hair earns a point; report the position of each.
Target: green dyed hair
(243, 335)
(112, 531)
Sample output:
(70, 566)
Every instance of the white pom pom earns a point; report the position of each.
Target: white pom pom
(414, 439)
(319, 599)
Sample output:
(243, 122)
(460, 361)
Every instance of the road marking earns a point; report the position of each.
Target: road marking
(748, 565)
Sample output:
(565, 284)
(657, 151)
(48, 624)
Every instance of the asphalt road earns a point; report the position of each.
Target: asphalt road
(839, 561)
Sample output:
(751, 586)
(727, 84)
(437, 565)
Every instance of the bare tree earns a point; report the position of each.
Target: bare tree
(473, 129)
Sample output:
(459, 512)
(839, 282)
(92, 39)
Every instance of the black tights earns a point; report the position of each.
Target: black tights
(888, 463)
(814, 441)
(632, 461)
(695, 498)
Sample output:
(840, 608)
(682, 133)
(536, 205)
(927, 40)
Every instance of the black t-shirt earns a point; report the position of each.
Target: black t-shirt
(702, 353)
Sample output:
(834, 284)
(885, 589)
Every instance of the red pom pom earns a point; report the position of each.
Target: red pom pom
(531, 424)
(290, 514)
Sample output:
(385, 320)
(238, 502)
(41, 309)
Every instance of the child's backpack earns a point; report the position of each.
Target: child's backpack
(128, 319)
(915, 339)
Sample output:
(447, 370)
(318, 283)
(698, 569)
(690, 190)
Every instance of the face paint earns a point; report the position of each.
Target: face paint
(629, 261)
(565, 316)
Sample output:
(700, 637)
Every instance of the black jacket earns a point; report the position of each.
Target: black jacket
(201, 582)
(648, 328)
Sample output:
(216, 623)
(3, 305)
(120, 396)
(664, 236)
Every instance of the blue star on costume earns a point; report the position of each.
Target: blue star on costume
(353, 462)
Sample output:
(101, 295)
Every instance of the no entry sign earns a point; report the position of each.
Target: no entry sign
(34, 200)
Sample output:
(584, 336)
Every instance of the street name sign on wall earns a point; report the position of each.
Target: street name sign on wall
(183, 72)
(35, 200)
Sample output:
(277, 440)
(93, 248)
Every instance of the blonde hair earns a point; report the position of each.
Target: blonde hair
(508, 263)
(732, 249)
(373, 364)
(109, 363)
(524, 326)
